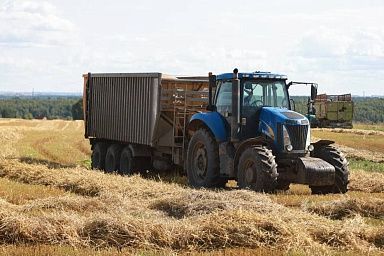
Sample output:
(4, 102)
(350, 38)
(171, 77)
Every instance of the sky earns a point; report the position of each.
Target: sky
(46, 46)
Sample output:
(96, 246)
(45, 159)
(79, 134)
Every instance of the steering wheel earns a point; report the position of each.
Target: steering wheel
(257, 103)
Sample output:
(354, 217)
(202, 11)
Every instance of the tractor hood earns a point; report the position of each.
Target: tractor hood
(272, 115)
(271, 118)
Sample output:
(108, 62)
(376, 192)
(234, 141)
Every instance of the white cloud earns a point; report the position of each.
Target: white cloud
(27, 24)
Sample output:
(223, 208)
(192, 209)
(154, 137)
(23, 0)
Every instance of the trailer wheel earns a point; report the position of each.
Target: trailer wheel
(337, 159)
(203, 167)
(98, 156)
(112, 158)
(126, 161)
(257, 169)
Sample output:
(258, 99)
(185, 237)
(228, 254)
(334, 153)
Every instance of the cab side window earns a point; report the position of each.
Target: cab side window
(224, 98)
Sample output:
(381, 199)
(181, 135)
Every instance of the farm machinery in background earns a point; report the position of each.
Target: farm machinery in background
(328, 111)
(232, 126)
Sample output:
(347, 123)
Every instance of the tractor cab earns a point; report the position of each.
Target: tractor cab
(257, 105)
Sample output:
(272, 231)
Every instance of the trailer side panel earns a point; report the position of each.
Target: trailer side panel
(123, 107)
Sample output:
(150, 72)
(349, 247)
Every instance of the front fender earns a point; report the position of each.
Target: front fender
(214, 121)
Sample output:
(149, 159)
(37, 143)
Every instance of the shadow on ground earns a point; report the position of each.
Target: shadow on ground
(49, 164)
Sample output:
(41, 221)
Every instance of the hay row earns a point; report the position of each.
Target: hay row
(109, 210)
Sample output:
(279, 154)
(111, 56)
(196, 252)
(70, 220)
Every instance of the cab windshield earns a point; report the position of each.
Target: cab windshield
(263, 93)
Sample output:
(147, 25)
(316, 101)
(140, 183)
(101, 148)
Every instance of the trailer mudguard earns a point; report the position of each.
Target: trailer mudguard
(214, 121)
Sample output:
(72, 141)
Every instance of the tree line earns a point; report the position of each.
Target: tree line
(62, 107)
(366, 110)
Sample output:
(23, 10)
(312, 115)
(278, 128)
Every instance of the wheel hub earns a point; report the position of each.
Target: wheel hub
(249, 175)
(200, 162)
(250, 172)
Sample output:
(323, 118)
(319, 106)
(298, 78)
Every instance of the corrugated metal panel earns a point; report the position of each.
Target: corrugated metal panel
(124, 107)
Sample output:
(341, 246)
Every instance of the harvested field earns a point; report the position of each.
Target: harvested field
(73, 210)
(366, 140)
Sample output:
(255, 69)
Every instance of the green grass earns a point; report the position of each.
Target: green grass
(365, 165)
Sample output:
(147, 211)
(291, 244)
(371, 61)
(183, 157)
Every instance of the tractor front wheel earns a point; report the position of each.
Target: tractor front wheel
(257, 169)
(337, 159)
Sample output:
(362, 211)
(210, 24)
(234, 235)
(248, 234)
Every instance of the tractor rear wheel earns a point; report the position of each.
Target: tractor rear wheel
(112, 158)
(98, 156)
(203, 167)
(257, 169)
(337, 159)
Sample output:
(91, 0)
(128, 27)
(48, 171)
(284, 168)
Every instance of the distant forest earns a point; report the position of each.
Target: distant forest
(367, 109)
(41, 107)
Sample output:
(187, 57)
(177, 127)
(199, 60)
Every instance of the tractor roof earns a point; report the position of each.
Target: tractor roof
(257, 74)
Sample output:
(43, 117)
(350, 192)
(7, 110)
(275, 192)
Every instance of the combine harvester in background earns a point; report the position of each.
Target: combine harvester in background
(233, 126)
(328, 111)
(334, 111)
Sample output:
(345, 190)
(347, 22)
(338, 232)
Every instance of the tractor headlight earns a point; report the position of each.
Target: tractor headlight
(286, 139)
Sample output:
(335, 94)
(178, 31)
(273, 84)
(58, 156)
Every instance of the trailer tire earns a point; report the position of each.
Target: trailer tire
(126, 162)
(98, 156)
(336, 158)
(112, 158)
(203, 166)
(257, 169)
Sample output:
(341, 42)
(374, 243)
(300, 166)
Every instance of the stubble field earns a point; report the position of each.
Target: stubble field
(52, 204)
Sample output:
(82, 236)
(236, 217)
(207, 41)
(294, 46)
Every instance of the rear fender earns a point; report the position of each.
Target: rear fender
(216, 124)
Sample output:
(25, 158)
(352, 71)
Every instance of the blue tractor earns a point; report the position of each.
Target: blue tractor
(251, 133)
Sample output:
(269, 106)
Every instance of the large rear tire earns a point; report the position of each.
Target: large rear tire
(203, 167)
(112, 158)
(336, 158)
(257, 169)
(98, 156)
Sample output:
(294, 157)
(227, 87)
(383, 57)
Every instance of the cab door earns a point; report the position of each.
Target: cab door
(223, 100)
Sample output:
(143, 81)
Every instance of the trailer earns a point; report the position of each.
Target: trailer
(145, 112)
(232, 126)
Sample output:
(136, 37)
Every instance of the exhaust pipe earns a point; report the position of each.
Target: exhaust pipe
(235, 119)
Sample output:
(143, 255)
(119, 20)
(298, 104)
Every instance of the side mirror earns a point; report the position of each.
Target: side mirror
(313, 91)
(292, 103)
